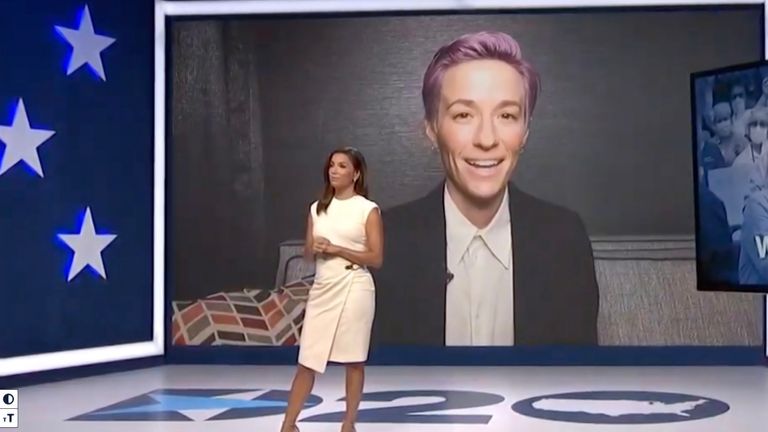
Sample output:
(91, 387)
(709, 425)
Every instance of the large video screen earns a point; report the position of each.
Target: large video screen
(592, 237)
(730, 114)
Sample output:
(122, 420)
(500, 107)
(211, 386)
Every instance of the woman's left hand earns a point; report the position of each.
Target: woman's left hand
(324, 246)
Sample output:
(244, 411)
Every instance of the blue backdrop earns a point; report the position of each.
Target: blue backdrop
(86, 82)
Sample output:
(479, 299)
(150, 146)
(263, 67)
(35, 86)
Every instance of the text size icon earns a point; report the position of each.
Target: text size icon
(9, 408)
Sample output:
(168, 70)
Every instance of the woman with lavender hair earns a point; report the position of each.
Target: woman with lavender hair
(477, 261)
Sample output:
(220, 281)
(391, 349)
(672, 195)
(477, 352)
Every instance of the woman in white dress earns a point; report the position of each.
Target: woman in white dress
(345, 238)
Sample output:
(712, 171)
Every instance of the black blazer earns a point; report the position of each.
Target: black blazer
(555, 289)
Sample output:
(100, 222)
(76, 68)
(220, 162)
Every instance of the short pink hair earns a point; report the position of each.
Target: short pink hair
(477, 46)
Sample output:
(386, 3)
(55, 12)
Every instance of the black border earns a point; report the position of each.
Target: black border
(678, 355)
(701, 283)
(511, 10)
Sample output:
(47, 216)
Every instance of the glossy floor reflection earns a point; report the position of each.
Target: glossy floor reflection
(425, 399)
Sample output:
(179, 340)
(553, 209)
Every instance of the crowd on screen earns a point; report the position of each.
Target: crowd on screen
(732, 131)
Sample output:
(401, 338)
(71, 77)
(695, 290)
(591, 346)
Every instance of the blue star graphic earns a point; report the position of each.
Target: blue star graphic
(86, 45)
(87, 246)
(21, 142)
(189, 403)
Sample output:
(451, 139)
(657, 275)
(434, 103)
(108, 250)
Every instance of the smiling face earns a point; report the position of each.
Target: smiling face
(480, 127)
(341, 172)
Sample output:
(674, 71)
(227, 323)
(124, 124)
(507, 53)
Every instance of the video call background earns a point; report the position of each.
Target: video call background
(258, 102)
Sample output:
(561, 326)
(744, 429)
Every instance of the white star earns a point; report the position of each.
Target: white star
(87, 247)
(21, 142)
(86, 45)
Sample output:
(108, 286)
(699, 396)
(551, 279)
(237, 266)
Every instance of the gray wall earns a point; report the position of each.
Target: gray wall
(258, 103)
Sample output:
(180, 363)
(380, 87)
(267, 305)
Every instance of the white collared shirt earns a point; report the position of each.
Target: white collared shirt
(750, 157)
(479, 307)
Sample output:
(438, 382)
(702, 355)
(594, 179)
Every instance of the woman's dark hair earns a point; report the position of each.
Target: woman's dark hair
(359, 165)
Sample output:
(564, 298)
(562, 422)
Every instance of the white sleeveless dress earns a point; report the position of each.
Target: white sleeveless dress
(341, 303)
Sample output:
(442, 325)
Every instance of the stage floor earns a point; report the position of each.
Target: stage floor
(423, 399)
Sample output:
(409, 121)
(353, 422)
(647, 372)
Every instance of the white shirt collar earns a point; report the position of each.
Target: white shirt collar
(460, 232)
